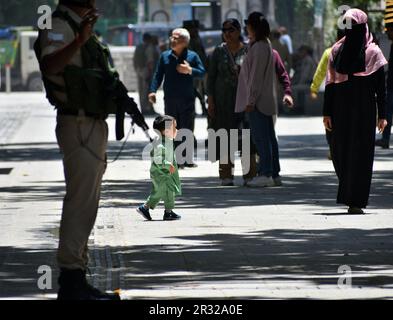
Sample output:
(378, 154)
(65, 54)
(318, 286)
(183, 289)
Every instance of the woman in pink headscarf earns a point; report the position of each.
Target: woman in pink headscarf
(354, 97)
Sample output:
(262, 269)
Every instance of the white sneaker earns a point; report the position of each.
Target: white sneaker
(261, 182)
(227, 182)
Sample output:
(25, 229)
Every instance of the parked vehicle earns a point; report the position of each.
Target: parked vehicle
(16, 48)
(132, 34)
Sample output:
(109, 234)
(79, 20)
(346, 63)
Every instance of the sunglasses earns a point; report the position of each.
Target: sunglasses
(230, 30)
(176, 38)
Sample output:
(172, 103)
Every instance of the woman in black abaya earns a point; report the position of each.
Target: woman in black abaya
(354, 98)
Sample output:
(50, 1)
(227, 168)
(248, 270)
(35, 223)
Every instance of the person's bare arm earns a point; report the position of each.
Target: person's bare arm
(57, 61)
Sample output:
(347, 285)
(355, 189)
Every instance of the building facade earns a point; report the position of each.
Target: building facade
(209, 12)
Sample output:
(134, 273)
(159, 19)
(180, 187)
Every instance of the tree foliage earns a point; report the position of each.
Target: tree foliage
(361, 4)
(298, 17)
(375, 19)
(118, 9)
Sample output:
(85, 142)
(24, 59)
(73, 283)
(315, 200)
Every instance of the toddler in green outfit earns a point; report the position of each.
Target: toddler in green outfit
(163, 171)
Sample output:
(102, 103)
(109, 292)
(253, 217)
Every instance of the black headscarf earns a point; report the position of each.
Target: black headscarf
(351, 57)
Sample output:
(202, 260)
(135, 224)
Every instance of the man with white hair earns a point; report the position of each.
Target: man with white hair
(178, 67)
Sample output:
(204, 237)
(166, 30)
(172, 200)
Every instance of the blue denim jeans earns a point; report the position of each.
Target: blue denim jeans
(389, 114)
(265, 140)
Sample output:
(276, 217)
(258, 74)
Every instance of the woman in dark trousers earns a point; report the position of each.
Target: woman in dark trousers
(224, 67)
(355, 92)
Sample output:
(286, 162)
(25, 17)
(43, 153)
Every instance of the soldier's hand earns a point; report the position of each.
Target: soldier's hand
(86, 27)
(152, 98)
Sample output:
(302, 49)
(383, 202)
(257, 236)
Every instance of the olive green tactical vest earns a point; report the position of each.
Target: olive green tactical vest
(90, 87)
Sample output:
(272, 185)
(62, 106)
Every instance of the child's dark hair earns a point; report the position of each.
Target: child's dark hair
(159, 123)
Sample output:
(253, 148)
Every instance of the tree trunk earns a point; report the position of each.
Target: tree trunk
(271, 12)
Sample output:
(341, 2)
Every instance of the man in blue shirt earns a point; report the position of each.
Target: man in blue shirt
(178, 67)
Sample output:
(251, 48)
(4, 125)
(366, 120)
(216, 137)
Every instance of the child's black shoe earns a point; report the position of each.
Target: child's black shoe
(170, 216)
(144, 212)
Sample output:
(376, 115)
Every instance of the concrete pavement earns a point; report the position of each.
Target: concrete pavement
(233, 242)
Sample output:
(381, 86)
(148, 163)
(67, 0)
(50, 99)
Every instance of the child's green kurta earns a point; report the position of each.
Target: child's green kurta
(165, 185)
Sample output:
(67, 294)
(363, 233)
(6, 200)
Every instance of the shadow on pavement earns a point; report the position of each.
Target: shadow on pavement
(199, 193)
(19, 272)
(263, 257)
(50, 151)
(256, 260)
(297, 147)
(204, 193)
(278, 255)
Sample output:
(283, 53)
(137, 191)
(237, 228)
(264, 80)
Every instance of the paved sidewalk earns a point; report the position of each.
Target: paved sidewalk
(233, 242)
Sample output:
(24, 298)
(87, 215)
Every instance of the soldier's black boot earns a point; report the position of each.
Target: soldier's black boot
(74, 286)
